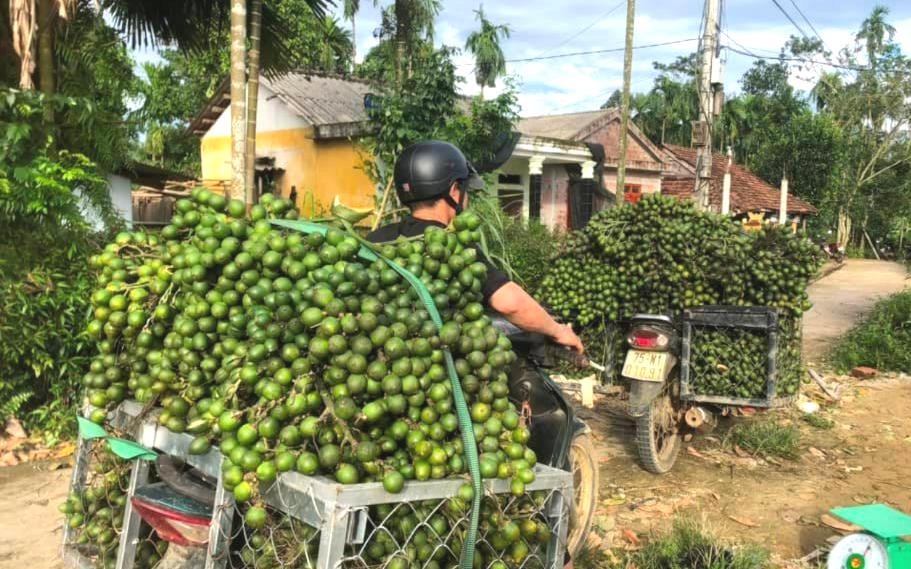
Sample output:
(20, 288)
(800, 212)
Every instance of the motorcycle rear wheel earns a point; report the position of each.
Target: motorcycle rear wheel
(658, 437)
(584, 468)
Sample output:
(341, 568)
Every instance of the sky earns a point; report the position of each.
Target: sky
(584, 82)
(578, 83)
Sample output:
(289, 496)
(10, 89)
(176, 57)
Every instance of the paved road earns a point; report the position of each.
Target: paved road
(845, 296)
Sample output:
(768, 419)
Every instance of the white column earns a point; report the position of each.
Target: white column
(783, 203)
(588, 170)
(535, 165)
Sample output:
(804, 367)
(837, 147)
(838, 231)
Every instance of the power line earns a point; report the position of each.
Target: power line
(809, 23)
(597, 51)
(790, 19)
(595, 22)
(799, 59)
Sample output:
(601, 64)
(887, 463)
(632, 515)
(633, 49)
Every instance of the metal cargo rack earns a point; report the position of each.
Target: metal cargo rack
(738, 320)
(340, 513)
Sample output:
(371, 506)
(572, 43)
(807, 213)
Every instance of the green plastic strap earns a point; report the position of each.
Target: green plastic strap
(127, 450)
(466, 427)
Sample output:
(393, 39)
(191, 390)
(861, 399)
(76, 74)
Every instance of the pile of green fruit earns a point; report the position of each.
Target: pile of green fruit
(661, 256)
(95, 513)
(289, 351)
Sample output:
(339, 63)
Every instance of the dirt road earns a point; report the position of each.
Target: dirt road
(866, 457)
(841, 298)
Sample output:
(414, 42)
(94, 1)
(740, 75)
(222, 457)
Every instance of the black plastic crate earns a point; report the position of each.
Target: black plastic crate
(736, 355)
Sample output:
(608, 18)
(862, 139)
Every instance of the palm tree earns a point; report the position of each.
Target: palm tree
(350, 9)
(337, 42)
(32, 25)
(484, 44)
(187, 23)
(414, 21)
(875, 33)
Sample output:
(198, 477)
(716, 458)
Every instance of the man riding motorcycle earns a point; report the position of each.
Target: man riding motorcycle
(434, 179)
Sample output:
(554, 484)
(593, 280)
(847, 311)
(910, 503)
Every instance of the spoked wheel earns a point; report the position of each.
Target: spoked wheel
(658, 436)
(584, 468)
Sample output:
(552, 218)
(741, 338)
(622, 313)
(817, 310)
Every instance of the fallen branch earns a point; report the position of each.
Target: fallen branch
(817, 377)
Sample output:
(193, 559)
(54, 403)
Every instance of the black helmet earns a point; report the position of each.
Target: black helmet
(427, 169)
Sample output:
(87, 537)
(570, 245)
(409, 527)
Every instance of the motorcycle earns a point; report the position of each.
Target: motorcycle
(559, 437)
(651, 368)
(834, 251)
(179, 506)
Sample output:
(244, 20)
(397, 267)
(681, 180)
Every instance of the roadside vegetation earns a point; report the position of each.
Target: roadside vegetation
(882, 341)
(687, 546)
(766, 437)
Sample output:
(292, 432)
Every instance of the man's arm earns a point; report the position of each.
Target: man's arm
(521, 309)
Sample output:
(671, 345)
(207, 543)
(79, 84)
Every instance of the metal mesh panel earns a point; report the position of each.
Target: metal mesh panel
(527, 531)
(729, 362)
(95, 512)
(740, 356)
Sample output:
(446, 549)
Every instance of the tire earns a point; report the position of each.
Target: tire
(584, 468)
(658, 437)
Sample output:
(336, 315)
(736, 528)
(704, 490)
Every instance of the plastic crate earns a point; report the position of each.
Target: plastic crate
(333, 524)
(755, 337)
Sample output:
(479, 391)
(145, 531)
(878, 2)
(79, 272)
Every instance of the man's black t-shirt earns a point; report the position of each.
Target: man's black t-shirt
(411, 227)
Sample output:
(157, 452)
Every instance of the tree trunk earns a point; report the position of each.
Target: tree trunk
(238, 98)
(625, 102)
(46, 53)
(401, 21)
(256, 18)
(353, 42)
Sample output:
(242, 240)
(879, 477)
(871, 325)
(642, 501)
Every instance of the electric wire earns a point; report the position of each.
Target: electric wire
(595, 22)
(809, 23)
(790, 19)
(598, 51)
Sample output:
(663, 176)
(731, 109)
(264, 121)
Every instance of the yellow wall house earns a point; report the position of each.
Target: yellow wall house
(306, 139)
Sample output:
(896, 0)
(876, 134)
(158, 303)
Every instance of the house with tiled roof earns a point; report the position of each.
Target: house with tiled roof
(564, 167)
(749, 193)
(307, 129)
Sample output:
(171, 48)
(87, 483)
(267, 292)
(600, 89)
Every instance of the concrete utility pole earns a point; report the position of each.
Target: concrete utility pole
(702, 130)
(624, 104)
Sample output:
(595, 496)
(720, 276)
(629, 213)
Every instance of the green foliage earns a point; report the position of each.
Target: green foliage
(818, 421)
(54, 190)
(177, 88)
(427, 105)
(686, 546)
(45, 241)
(689, 547)
(484, 45)
(530, 247)
(881, 341)
(45, 287)
(766, 437)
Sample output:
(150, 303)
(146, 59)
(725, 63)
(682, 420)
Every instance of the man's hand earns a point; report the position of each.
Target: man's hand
(525, 312)
(566, 337)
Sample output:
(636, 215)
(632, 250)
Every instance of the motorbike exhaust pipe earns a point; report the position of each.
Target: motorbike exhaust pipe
(700, 419)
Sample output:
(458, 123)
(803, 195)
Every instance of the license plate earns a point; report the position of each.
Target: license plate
(647, 366)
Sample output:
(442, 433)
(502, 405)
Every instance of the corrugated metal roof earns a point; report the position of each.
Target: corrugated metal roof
(748, 191)
(319, 99)
(565, 126)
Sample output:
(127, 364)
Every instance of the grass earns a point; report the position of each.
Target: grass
(686, 546)
(766, 437)
(817, 421)
(881, 341)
